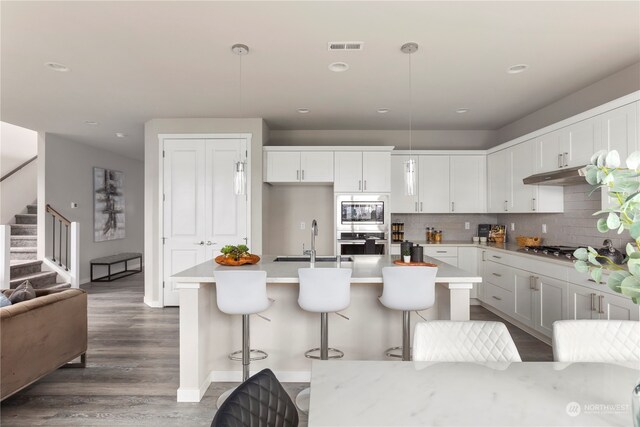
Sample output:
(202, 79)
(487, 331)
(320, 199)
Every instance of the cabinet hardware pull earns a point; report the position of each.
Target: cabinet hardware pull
(441, 252)
(533, 204)
(497, 275)
(453, 207)
(505, 205)
(483, 255)
(600, 304)
(531, 286)
(565, 157)
(360, 185)
(560, 160)
(496, 256)
(495, 297)
(365, 185)
(303, 174)
(593, 302)
(200, 243)
(416, 206)
(536, 285)
(420, 206)
(297, 175)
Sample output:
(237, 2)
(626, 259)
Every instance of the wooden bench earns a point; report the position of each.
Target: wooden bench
(116, 259)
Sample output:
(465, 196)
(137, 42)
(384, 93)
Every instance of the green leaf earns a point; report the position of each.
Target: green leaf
(581, 254)
(612, 161)
(596, 274)
(634, 266)
(592, 251)
(602, 225)
(592, 175)
(593, 260)
(633, 161)
(616, 278)
(594, 158)
(629, 248)
(613, 221)
(581, 266)
(630, 287)
(634, 231)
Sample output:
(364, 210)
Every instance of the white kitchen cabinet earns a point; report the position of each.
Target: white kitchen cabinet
(548, 152)
(400, 202)
(467, 184)
(468, 260)
(433, 184)
(551, 302)
(499, 181)
(524, 304)
(445, 184)
(357, 172)
(507, 192)
(589, 303)
(298, 166)
(577, 142)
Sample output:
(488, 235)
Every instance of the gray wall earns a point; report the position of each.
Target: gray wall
(422, 139)
(152, 198)
(17, 145)
(69, 178)
(614, 86)
(288, 206)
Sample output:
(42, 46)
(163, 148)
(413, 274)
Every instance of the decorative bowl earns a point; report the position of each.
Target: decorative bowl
(251, 259)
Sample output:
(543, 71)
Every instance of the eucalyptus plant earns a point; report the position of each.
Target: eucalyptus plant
(622, 185)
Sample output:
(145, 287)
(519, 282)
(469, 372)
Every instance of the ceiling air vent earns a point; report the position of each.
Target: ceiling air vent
(346, 45)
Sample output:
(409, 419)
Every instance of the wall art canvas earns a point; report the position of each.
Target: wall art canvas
(108, 207)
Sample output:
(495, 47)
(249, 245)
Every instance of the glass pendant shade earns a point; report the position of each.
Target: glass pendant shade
(410, 177)
(240, 179)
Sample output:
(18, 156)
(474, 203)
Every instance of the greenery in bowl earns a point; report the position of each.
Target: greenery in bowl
(622, 184)
(235, 252)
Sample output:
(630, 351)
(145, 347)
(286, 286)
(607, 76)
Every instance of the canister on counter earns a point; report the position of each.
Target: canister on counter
(417, 253)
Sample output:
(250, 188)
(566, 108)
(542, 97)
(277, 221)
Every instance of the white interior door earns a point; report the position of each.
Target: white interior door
(201, 211)
(184, 210)
(225, 212)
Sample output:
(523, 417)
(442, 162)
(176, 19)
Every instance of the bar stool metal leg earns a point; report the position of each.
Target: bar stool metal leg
(245, 347)
(324, 336)
(406, 335)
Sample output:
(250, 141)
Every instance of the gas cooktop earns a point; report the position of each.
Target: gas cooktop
(563, 252)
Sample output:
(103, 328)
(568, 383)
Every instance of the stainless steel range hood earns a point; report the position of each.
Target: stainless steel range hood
(569, 176)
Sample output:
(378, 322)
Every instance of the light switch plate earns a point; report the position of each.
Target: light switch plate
(303, 226)
(74, 205)
(544, 228)
(513, 226)
(467, 225)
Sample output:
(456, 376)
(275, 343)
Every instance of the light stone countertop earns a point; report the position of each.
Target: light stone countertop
(350, 393)
(366, 269)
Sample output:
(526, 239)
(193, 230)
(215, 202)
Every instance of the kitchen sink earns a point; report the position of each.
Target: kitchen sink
(307, 259)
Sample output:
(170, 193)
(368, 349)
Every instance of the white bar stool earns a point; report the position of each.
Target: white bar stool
(407, 289)
(244, 293)
(324, 291)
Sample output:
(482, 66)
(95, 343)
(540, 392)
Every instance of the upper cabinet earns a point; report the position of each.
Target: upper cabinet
(507, 193)
(298, 166)
(445, 184)
(357, 172)
(567, 147)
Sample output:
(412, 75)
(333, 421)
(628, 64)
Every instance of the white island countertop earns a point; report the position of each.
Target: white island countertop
(366, 269)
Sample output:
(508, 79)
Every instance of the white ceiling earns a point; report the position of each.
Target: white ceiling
(133, 61)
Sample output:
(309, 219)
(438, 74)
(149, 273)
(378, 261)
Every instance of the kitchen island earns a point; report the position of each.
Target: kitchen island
(207, 335)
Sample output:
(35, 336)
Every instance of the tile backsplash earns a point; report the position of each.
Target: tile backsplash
(452, 225)
(575, 227)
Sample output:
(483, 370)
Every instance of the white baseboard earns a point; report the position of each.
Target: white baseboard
(194, 394)
(152, 303)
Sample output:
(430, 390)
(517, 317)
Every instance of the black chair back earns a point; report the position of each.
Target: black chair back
(261, 401)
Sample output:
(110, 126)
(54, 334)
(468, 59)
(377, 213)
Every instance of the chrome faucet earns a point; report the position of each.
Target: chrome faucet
(312, 252)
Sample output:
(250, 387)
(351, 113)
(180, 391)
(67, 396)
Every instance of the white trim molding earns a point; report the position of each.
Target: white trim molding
(327, 148)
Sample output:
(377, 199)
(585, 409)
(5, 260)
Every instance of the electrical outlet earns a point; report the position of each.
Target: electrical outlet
(513, 226)
(303, 226)
(544, 228)
(467, 225)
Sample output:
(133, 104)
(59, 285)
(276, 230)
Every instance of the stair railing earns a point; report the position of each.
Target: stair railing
(5, 249)
(65, 257)
(18, 168)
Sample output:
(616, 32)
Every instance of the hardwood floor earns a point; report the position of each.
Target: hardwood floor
(132, 369)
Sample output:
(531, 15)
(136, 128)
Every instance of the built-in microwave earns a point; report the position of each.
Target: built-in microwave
(362, 224)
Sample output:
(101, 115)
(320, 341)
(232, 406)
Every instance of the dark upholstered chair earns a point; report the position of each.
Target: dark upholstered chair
(261, 401)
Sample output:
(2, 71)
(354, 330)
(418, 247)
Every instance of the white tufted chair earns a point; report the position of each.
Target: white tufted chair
(596, 341)
(472, 341)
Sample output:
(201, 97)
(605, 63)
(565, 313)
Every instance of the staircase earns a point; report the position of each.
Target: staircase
(24, 254)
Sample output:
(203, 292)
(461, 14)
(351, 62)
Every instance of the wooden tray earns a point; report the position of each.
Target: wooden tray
(223, 260)
(423, 264)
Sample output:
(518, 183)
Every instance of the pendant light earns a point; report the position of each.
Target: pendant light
(410, 165)
(240, 172)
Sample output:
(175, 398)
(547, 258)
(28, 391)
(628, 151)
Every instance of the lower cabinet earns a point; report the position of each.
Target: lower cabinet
(550, 301)
(588, 303)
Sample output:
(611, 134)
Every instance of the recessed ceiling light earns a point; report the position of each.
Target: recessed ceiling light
(383, 110)
(55, 66)
(120, 135)
(303, 110)
(515, 69)
(462, 110)
(90, 122)
(339, 67)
